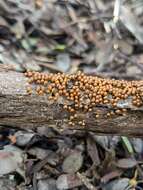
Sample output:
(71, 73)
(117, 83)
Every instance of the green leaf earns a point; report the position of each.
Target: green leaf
(25, 45)
(60, 47)
(29, 44)
(127, 144)
(33, 41)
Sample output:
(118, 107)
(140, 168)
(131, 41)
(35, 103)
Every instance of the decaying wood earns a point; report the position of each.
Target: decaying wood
(18, 109)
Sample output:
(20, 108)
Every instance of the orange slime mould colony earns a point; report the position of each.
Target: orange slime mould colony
(82, 93)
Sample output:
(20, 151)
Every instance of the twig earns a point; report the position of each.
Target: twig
(85, 181)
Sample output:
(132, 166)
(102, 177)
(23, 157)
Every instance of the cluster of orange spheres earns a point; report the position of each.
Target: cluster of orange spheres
(82, 93)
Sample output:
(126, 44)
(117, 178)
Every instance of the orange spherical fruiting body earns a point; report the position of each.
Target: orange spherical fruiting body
(29, 90)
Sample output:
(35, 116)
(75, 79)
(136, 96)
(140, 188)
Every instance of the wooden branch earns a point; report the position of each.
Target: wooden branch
(18, 109)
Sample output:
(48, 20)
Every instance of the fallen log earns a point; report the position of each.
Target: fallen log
(19, 109)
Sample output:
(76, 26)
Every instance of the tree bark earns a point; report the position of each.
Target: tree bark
(19, 109)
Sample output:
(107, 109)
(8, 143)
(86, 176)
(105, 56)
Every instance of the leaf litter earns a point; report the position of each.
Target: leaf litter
(103, 38)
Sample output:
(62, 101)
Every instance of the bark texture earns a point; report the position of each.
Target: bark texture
(19, 109)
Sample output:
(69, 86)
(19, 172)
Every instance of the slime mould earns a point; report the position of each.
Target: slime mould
(82, 93)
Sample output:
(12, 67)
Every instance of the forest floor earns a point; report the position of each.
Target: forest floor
(98, 37)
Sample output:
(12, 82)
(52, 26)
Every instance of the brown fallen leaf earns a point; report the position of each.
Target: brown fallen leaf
(68, 181)
(111, 175)
(126, 163)
(92, 151)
